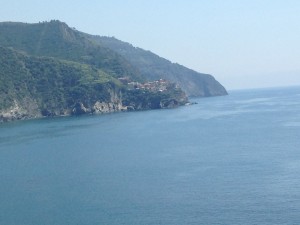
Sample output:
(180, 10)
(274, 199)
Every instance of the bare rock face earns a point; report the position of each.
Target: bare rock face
(13, 113)
(107, 107)
(79, 109)
(113, 104)
(20, 110)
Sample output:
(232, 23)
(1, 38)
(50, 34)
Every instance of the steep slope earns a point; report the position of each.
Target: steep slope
(153, 67)
(33, 87)
(119, 59)
(56, 39)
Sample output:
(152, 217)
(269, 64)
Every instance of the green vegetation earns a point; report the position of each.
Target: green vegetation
(117, 58)
(54, 84)
(49, 69)
(144, 99)
(153, 67)
(56, 39)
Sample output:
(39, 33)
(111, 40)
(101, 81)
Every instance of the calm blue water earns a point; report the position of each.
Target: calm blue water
(227, 160)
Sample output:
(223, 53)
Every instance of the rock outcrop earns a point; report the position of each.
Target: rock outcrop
(25, 109)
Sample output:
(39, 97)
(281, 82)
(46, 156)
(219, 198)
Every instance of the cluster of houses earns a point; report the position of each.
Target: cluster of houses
(160, 85)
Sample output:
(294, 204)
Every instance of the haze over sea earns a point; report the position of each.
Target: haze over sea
(228, 160)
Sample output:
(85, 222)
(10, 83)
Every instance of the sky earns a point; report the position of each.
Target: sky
(242, 43)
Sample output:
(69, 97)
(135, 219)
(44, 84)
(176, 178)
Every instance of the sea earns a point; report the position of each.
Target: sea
(230, 160)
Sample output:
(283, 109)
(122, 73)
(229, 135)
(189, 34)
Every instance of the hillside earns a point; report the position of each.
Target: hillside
(33, 87)
(57, 39)
(119, 59)
(153, 67)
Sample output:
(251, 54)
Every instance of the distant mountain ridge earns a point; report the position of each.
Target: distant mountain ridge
(154, 67)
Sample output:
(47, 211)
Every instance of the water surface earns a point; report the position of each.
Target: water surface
(228, 160)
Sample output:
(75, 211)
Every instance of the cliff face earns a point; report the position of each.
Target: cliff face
(29, 108)
(20, 110)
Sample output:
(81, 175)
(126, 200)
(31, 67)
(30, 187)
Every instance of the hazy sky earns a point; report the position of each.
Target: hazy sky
(243, 43)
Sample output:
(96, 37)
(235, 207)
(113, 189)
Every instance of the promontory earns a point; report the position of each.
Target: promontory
(49, 69)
